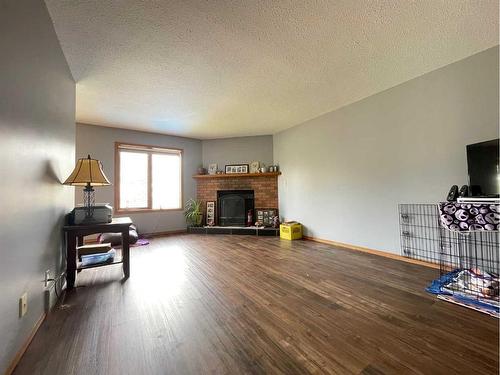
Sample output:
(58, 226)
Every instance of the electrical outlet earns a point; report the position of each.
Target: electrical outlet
(47, 277)
(23, 305)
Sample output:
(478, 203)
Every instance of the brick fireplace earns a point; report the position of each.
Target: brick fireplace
(264, 186)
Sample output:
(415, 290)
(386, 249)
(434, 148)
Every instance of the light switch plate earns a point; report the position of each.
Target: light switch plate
(23, 305)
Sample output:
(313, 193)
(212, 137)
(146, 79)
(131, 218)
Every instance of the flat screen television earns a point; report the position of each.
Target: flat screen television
(483, 166)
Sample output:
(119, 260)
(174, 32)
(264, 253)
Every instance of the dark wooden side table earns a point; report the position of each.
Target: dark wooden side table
(74, 237)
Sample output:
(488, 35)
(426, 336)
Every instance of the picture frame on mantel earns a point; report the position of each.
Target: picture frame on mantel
(212, 168)
(254, 167)
(210, 213)
(236, 168)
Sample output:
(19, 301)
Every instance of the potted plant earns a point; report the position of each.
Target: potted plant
(193, 213)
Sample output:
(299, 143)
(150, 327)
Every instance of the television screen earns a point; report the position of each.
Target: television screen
(483, 166)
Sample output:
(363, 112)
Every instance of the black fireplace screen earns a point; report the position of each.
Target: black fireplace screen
(234, 206)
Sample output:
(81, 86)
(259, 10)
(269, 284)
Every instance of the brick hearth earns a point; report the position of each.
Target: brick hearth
(265, 188)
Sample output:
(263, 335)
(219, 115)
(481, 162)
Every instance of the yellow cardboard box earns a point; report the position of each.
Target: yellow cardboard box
(291, 230)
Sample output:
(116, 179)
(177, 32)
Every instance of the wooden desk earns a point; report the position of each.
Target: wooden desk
(74, 237)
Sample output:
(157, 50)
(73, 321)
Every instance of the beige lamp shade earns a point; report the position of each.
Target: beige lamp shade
(87, 172)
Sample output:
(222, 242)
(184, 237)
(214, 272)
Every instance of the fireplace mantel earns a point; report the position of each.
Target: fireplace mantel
(236, 175)
(264, 186)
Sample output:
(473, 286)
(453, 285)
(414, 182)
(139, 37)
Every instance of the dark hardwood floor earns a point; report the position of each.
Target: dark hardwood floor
(199, 304)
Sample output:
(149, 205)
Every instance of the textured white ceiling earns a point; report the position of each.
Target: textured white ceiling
(209, 69)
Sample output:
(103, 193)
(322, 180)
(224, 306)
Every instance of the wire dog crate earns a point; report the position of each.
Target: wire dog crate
(469, 259)
(463, 239)
(420, 232)
(467, 250)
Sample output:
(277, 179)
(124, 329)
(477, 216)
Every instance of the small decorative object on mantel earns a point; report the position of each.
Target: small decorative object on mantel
(212, 168)
(220, 172)
(236, 168)
(273, 168)
(210, 213)
(263, 169)
(202, 170)
(254, 167)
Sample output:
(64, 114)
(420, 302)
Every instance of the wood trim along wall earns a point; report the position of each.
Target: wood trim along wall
(144, 210)
(372, 251)
(23, 348)
(166, 233)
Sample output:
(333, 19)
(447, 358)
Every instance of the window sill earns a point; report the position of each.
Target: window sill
(145, 210)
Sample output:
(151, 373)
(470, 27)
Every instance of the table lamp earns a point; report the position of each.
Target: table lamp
(88, 172)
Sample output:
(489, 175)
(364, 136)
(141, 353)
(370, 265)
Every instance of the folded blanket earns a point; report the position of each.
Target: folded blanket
(475, 282)
(471, 282)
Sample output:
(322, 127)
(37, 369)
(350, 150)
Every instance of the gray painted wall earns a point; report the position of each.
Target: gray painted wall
(37, 149)
(99, 142)
(238, 150)
(345, 172)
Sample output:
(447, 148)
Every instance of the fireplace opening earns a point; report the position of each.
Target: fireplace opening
(233, 206)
